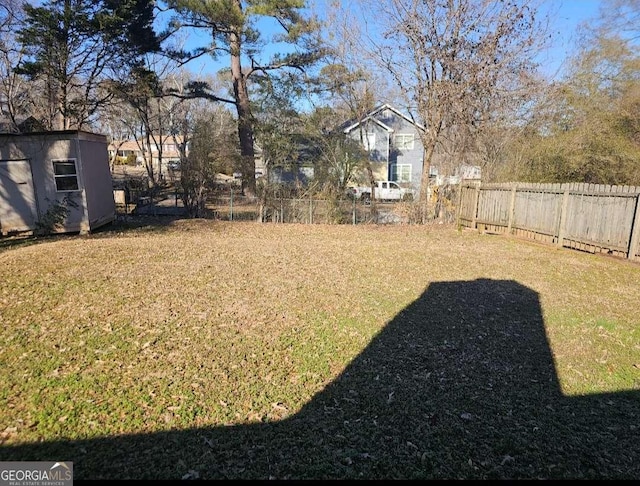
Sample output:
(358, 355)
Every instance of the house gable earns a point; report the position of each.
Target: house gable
(393, 141)
(389, 115)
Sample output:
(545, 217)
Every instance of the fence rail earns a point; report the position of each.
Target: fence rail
(589, 217)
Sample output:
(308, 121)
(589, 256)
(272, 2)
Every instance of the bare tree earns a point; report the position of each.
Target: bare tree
(340, 159)
(355, 86)
(455, 61)
(152, 94)
(616, 17)
(213, 150)
(114, 124)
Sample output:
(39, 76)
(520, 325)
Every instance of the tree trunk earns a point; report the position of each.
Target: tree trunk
(424, 181)
(245, 119)
(372, 182)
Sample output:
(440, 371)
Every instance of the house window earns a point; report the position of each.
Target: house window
(404, 141)
(401, 172)
(66, 175)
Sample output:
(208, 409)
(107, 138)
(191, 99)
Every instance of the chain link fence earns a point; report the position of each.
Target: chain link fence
(286, 206)
(315, 210)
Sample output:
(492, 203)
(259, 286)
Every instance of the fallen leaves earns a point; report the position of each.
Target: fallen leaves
(247, 323)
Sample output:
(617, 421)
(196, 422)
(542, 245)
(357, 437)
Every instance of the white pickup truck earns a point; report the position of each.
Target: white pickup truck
(384, 191)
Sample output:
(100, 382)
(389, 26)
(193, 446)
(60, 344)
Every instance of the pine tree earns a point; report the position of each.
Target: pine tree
(73, 46)
(232, 24)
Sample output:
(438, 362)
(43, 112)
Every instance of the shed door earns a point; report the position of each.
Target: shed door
(17, 198)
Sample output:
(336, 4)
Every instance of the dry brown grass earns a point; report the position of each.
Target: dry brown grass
(196, 326)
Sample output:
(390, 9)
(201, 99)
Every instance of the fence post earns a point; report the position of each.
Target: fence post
(512, 207)
(231, 206)
(476, 200)
(310, 210)
(635, 232)
(354, 210)
(459, 212)
(563, 218)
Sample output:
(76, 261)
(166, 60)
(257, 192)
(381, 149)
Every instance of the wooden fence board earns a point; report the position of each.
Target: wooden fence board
(589, 217)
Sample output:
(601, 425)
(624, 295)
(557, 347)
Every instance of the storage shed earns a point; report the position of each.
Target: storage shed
(58, 176)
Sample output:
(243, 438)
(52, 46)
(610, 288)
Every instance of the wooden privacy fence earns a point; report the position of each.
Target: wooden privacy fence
(589, 217)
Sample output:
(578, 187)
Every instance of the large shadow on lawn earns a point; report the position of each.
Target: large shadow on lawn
(460, 384)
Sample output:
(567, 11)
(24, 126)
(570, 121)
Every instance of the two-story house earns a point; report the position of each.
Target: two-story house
(393, 142)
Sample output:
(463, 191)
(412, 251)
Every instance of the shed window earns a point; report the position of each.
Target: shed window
(66, 175)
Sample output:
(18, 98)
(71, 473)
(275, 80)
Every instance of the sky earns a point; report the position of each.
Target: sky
(565, 16)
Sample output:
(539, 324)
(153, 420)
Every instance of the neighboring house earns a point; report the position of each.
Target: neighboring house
(393, 142)
(122, 150)
(298, 174)
(43, 172)
(462, 173)
(170, 152)
(258, 157)
(301, 170)
(469, 172)
(396, 151)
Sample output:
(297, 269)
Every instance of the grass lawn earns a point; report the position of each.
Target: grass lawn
(211, 350)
